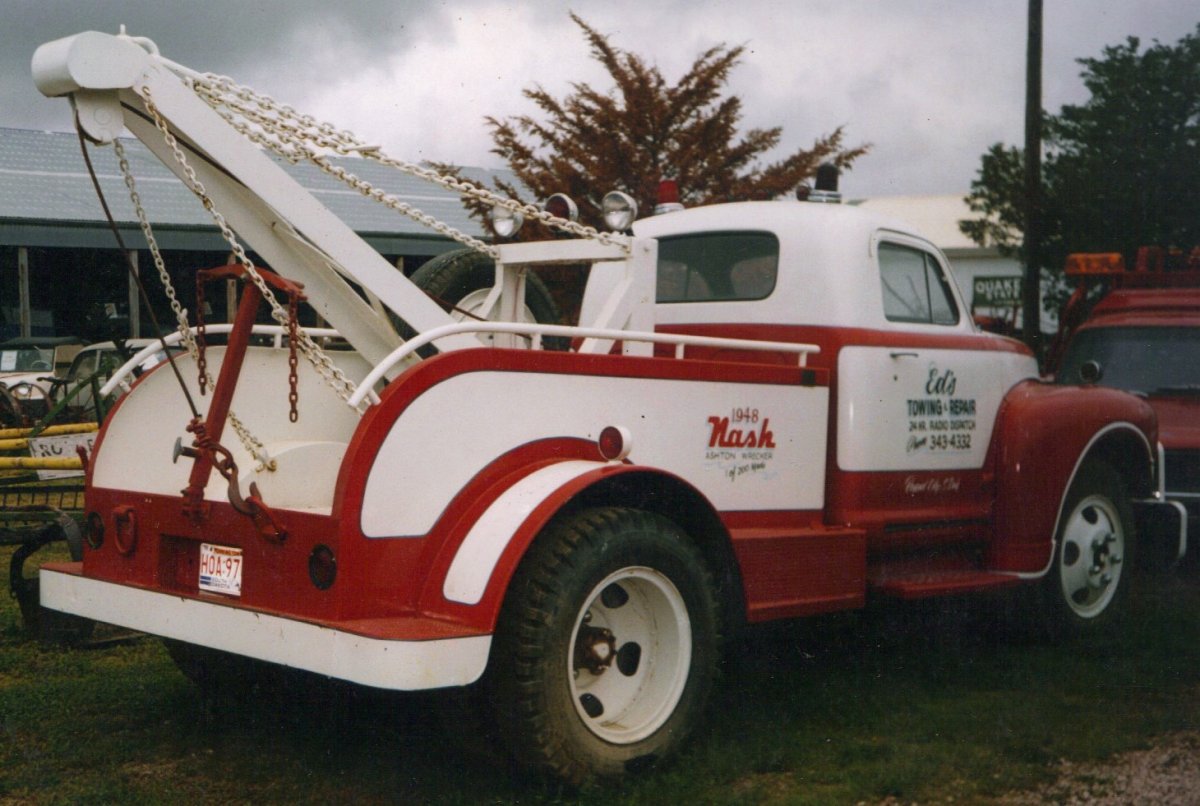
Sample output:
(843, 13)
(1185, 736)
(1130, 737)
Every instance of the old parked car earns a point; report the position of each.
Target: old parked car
(97, 362)
(28, 369)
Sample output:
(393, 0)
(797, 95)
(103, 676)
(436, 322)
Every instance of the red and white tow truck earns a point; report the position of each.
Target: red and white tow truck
(1138, 329)
(766, 410)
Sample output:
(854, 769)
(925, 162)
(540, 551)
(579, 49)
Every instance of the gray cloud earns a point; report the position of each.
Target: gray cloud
(931, 83)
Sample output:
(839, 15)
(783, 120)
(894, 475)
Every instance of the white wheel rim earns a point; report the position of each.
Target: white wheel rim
(625, 696)
(1090, 562)
(474, 302)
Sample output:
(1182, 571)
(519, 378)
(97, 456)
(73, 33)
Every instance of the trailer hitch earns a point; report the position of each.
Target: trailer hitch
(256, 509)
(210, 452)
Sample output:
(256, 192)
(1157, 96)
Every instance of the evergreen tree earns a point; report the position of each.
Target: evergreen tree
(630, 137)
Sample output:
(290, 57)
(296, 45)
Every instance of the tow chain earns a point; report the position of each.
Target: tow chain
(293, 379)
(296, 137)
(251, 443)
(201, 336)
(293, 338)
(223, 462)
(331, 374)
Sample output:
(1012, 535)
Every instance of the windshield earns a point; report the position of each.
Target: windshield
(1138, 359)
(26, 359)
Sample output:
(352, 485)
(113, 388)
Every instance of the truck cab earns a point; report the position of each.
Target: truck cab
(1138, 329)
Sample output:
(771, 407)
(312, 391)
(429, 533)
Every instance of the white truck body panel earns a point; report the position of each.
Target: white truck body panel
(482, 415)
(921, 409)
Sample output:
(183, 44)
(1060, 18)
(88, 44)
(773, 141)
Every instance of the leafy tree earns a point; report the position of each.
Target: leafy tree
(1120, 170)
(594, 141)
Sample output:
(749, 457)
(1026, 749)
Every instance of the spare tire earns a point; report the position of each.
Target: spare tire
(461, 280)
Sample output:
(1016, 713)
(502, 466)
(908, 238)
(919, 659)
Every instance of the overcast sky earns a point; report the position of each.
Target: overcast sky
(930, 83)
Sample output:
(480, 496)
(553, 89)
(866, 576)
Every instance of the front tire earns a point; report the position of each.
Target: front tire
(607, 647)
(1087, 589)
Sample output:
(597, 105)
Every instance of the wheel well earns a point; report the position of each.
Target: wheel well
(684, 506)
(1126, 452)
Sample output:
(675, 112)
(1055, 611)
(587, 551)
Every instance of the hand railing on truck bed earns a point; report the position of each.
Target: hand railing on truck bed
(536, 331)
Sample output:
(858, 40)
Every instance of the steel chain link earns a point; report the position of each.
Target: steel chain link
(332, 375)
(292, 136)
(250, 442)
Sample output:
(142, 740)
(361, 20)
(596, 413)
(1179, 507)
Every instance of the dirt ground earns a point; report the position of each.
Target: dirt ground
(1166, 774)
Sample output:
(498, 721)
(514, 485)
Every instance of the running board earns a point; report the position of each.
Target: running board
(940, 583)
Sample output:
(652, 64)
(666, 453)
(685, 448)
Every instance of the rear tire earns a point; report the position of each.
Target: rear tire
(607, 646)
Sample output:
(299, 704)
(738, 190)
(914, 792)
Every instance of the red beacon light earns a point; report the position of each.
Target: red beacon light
(825, 190)
(668, 197)
(560, 205)
(1094, 264)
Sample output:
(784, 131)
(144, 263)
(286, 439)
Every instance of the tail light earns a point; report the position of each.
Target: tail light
(614, 443)
(322, 567)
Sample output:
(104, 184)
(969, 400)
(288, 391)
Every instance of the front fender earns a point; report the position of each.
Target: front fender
(1044, 433)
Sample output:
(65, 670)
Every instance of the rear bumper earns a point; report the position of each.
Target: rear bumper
(389, 663)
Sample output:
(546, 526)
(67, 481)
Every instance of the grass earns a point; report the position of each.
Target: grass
(927, 703)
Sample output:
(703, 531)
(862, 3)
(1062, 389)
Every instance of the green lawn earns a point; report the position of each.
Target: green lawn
(921, 703)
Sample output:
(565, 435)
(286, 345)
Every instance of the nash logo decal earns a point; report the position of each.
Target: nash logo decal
(722, 436)
(744, 450)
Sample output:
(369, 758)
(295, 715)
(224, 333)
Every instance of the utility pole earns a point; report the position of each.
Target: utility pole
(1031, 303)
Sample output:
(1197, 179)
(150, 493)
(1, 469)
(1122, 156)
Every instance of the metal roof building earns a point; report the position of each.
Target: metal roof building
(53, 232)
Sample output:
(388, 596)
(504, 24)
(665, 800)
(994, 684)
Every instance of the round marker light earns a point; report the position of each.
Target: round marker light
(560, 205)
(322, 567)
(619, 209)
(614, 443)
(505, 222)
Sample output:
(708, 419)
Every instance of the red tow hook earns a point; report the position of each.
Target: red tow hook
(255, 508)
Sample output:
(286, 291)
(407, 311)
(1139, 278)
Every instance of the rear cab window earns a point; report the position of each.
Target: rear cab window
(717, 267)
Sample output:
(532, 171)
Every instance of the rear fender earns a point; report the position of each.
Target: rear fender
(480, 563)
(1044, 435)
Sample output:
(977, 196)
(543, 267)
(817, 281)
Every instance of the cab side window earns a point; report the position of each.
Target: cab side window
(914, 288)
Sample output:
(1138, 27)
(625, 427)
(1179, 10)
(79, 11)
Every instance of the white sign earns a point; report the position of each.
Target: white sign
(60, 447)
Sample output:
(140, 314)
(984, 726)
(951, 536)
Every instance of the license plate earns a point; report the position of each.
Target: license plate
(221, 569)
